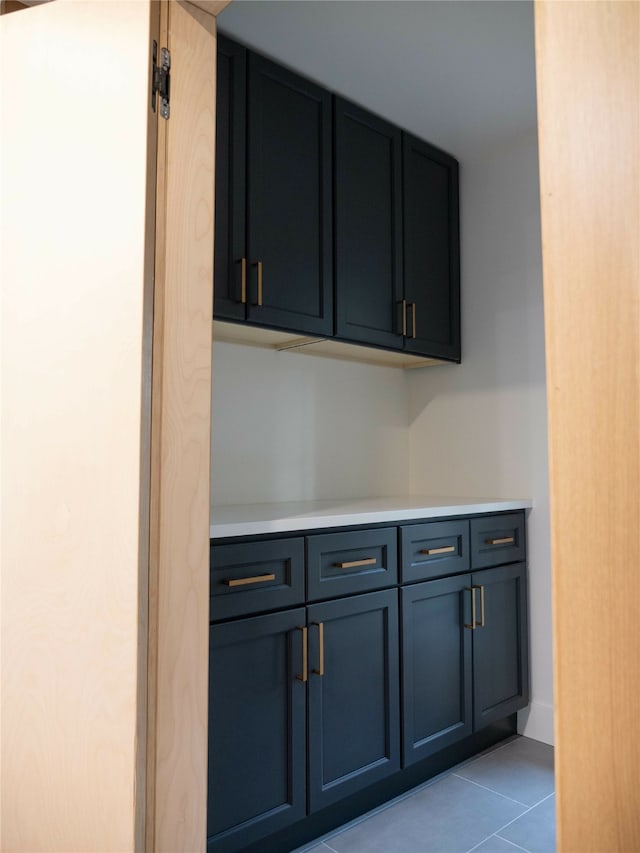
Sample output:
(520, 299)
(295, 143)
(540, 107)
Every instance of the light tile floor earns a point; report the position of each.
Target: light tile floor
(500, 801)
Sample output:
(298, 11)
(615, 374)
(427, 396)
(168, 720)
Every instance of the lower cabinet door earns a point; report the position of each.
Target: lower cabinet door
(500, 643)
(257, 729)
(436, 666)
(353, 695)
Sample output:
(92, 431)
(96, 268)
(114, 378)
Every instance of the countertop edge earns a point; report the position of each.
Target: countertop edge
(348, 518)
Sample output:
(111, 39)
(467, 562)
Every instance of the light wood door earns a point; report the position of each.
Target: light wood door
(588, 83)
(106, 368)
(78, 183)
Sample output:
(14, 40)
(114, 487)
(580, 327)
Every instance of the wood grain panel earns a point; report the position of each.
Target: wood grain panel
(179, 580)
(77, 274)
(588, 79)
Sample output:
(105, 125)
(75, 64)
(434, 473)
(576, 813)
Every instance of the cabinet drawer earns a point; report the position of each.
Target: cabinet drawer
(497, 539)
(249, 577)
(434, 549)
(342, 563)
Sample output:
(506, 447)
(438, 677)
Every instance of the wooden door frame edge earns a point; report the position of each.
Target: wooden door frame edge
(170, 811)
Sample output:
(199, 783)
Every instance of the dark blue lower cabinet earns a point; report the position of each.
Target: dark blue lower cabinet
(437, 678)
(257, 729)
(500, 644)
(465, 661)
(354, 735)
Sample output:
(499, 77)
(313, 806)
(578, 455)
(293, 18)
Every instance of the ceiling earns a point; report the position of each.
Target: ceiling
(458, 73)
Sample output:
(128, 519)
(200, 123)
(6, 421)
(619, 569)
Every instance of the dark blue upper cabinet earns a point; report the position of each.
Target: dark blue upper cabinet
(330, 221)
(289, 200)
(368, 227)
(229, 268)
(273, 237)
(431, 250)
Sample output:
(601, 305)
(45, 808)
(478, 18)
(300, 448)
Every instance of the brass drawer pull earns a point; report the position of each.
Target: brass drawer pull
(305, 641)
(259, 282)
(480, 624)
(247, 581)
(505, 540)
(446, 549)
(243, 280)
(320, 669)
(473, 624)
(413, 319)
(404, 318)
(367, 561)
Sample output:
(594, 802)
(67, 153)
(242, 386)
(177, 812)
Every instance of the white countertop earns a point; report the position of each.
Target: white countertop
(257, 519)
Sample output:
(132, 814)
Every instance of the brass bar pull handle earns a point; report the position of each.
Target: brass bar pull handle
(504, 540)
(473, 624)
(480, 624)
(247, 581)
(446, 549)
(404, 318)
(305, 652)
(320, 669)
(413, 319)
(259, 282)
(243, 281)
(367, 561)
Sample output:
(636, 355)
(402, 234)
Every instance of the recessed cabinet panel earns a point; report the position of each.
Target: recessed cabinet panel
(431, 250)
(354, 736)
(500, 655)
(230, 181)
(434, 549)
(289, 274)
(257, 726)
(436, 666)
(249, 577)
(368, 222)
(343, 563)
(497, 539)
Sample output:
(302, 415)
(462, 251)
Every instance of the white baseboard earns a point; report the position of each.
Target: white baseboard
(536, 722)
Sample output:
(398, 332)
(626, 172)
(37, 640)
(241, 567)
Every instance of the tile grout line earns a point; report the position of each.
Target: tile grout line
(506, 840)
(491, 791)
(504, 826)
(329, 848)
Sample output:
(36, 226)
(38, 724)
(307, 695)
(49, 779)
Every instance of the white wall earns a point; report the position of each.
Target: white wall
(480, 428)
(288, 426)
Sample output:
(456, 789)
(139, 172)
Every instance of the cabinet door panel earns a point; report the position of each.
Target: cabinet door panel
(500, 648)
(289, 200)
(436, 666)
(368, 221)
(431, 249)
(257, 711)
(230, 180)
(354, 706)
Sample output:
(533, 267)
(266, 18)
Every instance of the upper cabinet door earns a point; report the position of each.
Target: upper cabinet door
(289, 200)
(368, 227)
(431, 250)
(230, 270)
